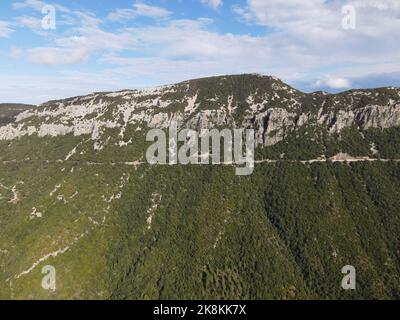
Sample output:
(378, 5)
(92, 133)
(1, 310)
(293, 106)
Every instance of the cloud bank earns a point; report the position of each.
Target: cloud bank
(303, 42)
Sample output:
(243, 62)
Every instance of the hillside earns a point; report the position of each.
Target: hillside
(76, 193)
(8, 111)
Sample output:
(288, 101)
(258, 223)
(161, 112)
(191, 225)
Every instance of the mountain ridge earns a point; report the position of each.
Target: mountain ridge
(256, 75)
(273, 109)
(8, 111)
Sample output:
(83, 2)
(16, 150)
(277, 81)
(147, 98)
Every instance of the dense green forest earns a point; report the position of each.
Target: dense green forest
(284, 232)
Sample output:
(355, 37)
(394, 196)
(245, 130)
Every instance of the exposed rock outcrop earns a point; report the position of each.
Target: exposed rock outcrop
(266, 104)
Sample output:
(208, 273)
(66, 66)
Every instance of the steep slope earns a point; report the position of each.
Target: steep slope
(8, 111)
(276, 111)
(73, 195)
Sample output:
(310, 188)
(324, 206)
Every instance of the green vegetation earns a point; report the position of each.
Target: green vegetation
(9, 110)
(117, 229)
(284, 232)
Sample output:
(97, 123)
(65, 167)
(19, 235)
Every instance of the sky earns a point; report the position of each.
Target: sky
(51, 50)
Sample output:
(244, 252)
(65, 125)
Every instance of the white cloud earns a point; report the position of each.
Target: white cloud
(28, 88)
(313, 30)
(122, 15)
(5, 29)
(215, 4)
(334, 83)
(304, 42)
(64, 16)
(180, 49)
(85, 18)
(16, 53)
(139, 9)
(78, 48)
(37, 5)
(32, 4)
(143, 9)
(33, 23)
(57, 56)
(310, 19)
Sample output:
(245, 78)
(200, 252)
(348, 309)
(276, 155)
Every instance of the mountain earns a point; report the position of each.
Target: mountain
(8, 111)
(77, 194)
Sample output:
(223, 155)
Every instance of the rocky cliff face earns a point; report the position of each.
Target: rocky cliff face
(8, 111)
(266, 104)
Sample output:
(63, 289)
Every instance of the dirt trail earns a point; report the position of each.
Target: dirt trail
(341, 158)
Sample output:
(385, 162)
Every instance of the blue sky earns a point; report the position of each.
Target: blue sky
(111, 45)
